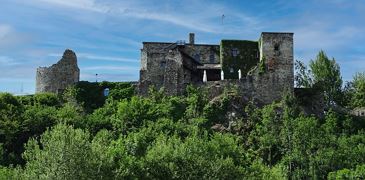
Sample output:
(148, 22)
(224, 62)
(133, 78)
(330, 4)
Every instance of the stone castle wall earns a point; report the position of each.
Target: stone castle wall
(59, 76)
(163, 65)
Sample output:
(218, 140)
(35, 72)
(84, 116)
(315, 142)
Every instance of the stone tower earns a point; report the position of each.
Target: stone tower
(276, 52)
(59, 76)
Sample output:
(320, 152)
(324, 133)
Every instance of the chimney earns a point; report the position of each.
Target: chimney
(191, 38)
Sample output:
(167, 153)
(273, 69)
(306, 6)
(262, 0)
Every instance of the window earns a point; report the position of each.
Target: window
(197, 57)
(235, 52)
(231, 70)
(211, 58)
(276, 47)
(362, 113)
(163, 64)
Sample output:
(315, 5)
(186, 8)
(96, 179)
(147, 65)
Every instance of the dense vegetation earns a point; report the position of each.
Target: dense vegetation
(83, 135)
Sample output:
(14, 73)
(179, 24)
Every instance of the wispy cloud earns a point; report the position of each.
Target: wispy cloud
(7, 61)
(82, 56)
(4, 30)
(10, 38)
(318, 37)
(106, 58)
(198, 19)
(79, 4)
(107, 34)
(118, 68)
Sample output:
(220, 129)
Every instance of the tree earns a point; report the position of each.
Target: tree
(327, 77)
(303, 76)
(358, 173)
(11, 111)
(61, 153)
(358, 85)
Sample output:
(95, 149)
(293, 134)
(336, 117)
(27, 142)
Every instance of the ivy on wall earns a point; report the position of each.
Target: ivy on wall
(238, 54)
(262, 66)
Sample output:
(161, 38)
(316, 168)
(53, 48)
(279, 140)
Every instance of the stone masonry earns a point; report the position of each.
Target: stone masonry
(59, 76)
(175, 65)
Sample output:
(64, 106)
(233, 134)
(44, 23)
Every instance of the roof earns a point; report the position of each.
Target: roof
(187, 55)
(175, 42)
(210, 66)
(277, 33)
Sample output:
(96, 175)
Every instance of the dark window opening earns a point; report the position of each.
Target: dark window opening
(276, 47)
(211, 58)
(197, 57)
(362, 113)
(163, 64)
(235, 52)
(231, 70)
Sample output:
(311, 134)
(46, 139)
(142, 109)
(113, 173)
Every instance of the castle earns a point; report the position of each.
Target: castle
(59, 76)
(262, 70)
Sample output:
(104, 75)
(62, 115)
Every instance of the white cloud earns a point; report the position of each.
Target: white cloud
(106, 58)
(321, 38)
(7, 61)
(10, 38)
(118, 68)
(4, 30)
(82, 56)
(200, 16)
(79, 4)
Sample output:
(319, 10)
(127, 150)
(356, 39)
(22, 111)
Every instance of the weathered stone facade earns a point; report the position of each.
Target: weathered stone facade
(59, 76)
(175, 65)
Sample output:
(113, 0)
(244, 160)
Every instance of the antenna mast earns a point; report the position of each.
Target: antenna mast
(21, 88)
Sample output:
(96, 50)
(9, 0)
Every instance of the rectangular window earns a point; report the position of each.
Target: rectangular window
(197, 57)
(211, 58)
(235, 52)
(276, 47)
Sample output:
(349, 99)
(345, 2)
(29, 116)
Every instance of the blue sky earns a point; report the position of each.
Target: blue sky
(107, 34)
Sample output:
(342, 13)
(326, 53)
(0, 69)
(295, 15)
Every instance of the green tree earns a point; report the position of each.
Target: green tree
(357, 173)
(61, 153)
(11, 112)
(358, 85)
(327, 77)
(266, 135)
(303, 76)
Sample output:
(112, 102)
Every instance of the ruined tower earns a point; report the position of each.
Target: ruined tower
(59, 76)
(276, 52)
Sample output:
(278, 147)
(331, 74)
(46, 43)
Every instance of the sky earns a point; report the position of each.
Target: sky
(107, 35)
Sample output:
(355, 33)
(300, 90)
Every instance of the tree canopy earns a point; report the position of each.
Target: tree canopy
(85, 135)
